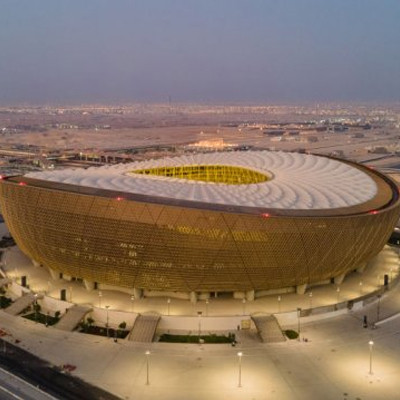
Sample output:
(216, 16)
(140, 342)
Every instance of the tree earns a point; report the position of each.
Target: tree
(121, 327)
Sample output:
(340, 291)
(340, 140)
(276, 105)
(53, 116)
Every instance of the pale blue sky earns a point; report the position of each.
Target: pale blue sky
(71, 51)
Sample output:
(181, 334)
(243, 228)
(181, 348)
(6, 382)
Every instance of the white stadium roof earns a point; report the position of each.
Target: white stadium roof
(299, 181)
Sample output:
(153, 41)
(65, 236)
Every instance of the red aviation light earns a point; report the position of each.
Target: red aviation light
(120, 198)
(266, 215)
(22, 184)
(1, 177)
(373, 212)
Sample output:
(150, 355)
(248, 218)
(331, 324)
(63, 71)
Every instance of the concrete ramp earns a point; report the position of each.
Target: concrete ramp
(4, 281)
(72, 317)
(21, 304)
(268, 328)
(144, 328)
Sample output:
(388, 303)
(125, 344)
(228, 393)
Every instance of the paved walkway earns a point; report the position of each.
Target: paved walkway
(144, 328)
(71, 319)
(4, 281)
(21, 304)
(332, 365)
(268, 328)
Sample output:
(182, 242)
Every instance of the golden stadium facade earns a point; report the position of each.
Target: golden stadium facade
(223, 222)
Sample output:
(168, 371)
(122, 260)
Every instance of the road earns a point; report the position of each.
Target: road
(14, 388)
(25, 376)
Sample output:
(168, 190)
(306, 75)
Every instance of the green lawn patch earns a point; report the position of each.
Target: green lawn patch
(291, 334)
(168, 338)
(102, 331)
(42, 318)
(4, 302)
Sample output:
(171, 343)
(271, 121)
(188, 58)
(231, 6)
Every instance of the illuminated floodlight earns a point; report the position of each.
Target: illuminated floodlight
(371, 344)
(240, 354)
(147, 367)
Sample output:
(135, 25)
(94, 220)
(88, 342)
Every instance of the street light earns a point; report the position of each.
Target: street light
(361, 287)
(240, 354)
(338, 293)
(107, 307)
(279, 304)
(199, 314)
(244, 306)
(147, 367)
(168, 304)
(371, 344)
(132, 302)
(36, 306)
(298, 322)
(100, 296)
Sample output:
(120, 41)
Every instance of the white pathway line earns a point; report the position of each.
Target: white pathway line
(388, 319)
(5, 390)
(33, 387)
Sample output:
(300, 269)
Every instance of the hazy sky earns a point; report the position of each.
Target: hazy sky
(199, 50)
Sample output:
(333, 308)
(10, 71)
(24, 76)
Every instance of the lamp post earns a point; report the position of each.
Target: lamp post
(371, 344)
(132, 303)
(168, 304)
(36, 307)
(361, 288)
(298, 322)
(199, 315)
(338, 294)
(240, 354)
(310, 296)
(107, 307)
(147, 367)
(100, 296)
(207, 301)
(244, 306)
(279, 304)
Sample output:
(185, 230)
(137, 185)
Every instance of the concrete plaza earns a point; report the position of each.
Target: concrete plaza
(334, 362)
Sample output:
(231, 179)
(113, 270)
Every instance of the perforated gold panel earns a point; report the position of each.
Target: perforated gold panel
(163, 247)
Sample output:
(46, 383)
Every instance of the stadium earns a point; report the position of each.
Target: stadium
(235, 223)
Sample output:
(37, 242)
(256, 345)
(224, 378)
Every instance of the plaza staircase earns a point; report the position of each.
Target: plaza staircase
(144, 328)
(21, 304)
(268, 328)
(72, 317)
(4, 281)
